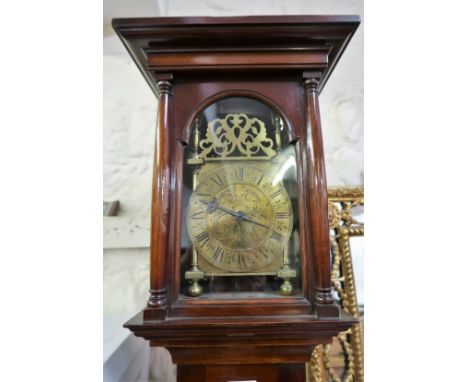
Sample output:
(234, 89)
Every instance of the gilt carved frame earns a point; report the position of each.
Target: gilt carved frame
(343, 226)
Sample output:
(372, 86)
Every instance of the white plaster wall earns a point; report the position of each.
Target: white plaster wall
(129, 126)
(129, 123)
(126, 280)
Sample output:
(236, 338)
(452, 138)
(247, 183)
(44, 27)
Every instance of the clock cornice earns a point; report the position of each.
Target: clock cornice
(252, 44)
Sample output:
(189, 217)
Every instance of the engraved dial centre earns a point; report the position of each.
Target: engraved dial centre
(240, 217)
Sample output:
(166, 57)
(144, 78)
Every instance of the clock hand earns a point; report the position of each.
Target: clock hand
(213, 205)
(253, 221)
(231, 212)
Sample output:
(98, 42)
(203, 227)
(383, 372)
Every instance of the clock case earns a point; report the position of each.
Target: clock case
(284, 62)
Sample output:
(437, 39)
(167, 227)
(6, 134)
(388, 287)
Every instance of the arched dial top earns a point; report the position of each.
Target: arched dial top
(239, 218)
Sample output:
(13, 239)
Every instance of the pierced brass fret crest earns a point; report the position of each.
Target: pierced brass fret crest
(236, 134)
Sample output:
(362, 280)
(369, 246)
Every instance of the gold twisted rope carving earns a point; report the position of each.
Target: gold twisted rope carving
(237, 134)
(323, 365)
(345, 193)
(348, 376)
(316, 365)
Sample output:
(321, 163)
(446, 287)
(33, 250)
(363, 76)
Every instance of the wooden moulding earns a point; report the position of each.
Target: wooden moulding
(223, 373)
(184, 38)
(236, 60)
(274, 339)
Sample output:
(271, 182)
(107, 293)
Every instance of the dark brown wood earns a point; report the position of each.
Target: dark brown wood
(185, 306)
(258, 373)
(239, 340)
(157, 302)
(242, 355)
(325, 304)
(285, 94)
(144, 37)
(187, 373)
(190, 63)
(236, 60)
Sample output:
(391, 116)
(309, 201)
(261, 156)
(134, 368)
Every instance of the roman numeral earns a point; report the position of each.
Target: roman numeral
(240, 174)
(197, 215)
(275, 194)
(277, 236)
(259, 181)
(230, 257)
(282, 215)
(217, 179)
(219, 252)
(203, 238)
(264, 254)
(241, 260)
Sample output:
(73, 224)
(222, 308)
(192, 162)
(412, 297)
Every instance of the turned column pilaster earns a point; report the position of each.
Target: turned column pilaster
(318, 199)
(157, 302)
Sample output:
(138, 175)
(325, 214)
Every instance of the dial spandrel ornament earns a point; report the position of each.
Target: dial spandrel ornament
(240, 216)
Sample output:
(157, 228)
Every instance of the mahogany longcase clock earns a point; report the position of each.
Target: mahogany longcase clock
(240, 254)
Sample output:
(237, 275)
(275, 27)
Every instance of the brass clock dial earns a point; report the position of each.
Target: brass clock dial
(239, 220)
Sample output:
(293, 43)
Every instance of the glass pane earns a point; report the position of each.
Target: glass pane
(240, 231)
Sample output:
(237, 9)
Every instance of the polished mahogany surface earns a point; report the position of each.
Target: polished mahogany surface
(206, 43)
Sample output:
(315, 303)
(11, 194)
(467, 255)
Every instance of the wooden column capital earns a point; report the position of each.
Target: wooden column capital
(311, 84)
(164, 87)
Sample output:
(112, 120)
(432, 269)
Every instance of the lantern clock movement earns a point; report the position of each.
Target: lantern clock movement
(240, 284)
(240, 215)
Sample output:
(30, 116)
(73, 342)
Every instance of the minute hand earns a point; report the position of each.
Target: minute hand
(213, 205)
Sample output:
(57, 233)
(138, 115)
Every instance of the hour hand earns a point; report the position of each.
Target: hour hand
(213, 205)
(254, 221)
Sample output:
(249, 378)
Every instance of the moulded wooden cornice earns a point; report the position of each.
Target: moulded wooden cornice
(192, 44)
(268, 332)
